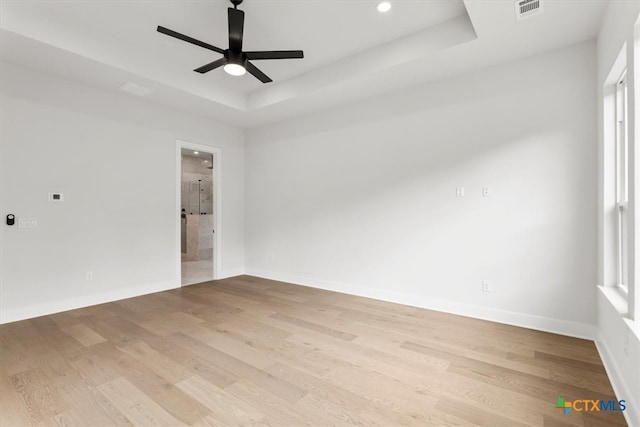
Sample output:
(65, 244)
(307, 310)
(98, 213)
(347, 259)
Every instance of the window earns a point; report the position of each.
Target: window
(622, 181)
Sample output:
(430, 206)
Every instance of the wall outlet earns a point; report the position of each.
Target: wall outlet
(486, 191)
(459, 191)
(486, 286)
(88, 275)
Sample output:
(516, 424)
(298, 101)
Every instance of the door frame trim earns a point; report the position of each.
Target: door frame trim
(217, 203)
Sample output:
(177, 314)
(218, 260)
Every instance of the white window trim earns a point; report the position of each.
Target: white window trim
(622, 183)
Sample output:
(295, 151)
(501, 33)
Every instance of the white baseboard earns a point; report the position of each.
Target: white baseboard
(233, 272)
(618, 382)
(29, 312)
(51, 307)
(563, 327)
(546, 324)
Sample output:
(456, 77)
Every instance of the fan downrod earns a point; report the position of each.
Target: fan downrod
(236, 3)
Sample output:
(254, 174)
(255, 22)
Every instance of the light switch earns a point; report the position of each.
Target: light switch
(27, 223)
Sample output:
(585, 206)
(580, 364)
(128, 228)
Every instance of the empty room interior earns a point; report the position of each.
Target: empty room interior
(319, 213)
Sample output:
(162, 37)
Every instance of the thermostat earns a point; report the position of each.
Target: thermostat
(56, 197)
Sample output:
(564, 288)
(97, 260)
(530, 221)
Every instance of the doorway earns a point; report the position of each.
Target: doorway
(198, 212)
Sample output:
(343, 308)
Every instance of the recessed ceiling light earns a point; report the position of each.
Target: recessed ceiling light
(196, 152)
(384, 6)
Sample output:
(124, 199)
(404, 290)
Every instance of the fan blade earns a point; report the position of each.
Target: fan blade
(275, 54)
(257, 73)
(236, 28)
(188, 39)
(211, 66)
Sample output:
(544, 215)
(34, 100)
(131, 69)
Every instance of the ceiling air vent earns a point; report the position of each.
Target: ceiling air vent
(135, 89)
(527, 8)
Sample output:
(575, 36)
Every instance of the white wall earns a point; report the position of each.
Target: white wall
(363, 199)
(618, 337)
(114, 158)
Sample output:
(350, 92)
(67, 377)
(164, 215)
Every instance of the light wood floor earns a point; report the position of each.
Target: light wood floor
(248, 351)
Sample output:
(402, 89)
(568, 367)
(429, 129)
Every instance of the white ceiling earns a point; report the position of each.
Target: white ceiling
(351, 50)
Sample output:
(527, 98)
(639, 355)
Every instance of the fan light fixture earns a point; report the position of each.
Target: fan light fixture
(235, 69)
(236, 61)
(384, 6)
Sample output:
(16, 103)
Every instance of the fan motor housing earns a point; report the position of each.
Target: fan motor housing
(235, 57)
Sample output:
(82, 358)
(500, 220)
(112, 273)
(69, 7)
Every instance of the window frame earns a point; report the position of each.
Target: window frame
(622, 181)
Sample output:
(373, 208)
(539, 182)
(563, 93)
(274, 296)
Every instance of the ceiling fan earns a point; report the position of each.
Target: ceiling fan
(235, 60)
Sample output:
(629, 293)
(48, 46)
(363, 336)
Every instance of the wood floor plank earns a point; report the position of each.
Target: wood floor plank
(385, 391)
(171, 398)
(15, 357)
(136, 405)
(386, 360)
(447, 349)
(252, 327)
(92, 372)
(570, 362)
(31, 340)
(525, 384)
(225, 408)
(329, 413)
(549, 421)
(474, 415)
(519, 383)
(84, 335)
(281, 350)
(80, 417)
(378, 342)
(284, 389)
(177, 321)
(13, 410)
(321, 387)
(210, 335)
(159, 363)
(246, 351)
(357, 357)
(39, 394)
(278, 411)
(86, 405)
(384, 416)
(516, 381)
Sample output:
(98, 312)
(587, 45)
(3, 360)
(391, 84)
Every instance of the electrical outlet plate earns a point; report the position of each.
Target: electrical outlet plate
(486, 286)
(459, 191)
(88, 275)
(486, 191)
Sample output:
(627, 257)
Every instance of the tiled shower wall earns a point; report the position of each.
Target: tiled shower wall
(199, 244)
(197, 182)
(197, 202)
